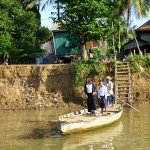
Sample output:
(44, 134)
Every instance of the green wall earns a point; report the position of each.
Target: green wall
(65, 46)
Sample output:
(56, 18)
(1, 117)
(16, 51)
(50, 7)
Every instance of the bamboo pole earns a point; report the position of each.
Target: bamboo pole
(131, 106)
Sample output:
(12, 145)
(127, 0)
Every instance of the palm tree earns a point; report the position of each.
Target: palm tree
(139, 8)
(57, 7)
(37, 3)
(32, 3)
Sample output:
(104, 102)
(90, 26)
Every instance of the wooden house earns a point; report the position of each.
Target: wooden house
(65, 47)
(62, 48)
(142, 38)
(143, 32)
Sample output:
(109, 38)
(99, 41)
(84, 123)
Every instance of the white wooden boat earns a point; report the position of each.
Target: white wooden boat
(81, 121)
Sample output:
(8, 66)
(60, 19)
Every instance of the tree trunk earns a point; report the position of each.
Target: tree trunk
(119, 40)
(128, 22)
(113, 39)
(58, 9)
(84, 54)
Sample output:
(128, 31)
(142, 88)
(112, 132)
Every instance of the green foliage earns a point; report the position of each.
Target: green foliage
(98, 20)
(43, 35)
(137, 61)
(87, 19)
(111, 63)
(98, 54)
(5, 42)
(83, 68)
(147, 61)
(141, 64)
(18, 30)
(134, 61)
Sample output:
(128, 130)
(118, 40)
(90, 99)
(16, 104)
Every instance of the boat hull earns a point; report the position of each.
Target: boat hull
(91, 122)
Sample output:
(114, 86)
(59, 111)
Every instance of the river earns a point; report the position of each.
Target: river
(34, 130)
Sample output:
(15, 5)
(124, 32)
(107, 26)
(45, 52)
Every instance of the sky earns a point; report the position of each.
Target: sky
(45, 17)
(47, 21)
(139, 22)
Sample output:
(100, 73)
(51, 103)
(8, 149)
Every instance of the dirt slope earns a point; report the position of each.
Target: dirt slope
(44, 86)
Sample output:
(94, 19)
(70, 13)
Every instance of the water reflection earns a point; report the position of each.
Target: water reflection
(103, 136)
(136, 134)
(35, 130)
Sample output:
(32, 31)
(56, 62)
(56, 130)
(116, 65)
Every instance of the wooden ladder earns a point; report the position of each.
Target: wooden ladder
(123, 87)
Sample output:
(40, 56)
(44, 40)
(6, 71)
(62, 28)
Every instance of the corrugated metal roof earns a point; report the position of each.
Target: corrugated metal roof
(55, 26)
(143, 28)
(132, 44)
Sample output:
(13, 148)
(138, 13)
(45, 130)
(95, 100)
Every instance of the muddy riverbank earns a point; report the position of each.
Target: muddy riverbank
(25, 87)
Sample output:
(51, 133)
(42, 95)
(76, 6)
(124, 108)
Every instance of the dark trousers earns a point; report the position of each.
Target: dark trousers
(102, 102)
(90, 102)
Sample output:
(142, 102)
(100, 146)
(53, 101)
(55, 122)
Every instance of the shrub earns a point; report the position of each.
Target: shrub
(147, 61)
(137, 61)
(98, 54)
(84, 68)
(134, 61)
(112, 63)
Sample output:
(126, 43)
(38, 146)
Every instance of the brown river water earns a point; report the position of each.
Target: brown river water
(34, 130)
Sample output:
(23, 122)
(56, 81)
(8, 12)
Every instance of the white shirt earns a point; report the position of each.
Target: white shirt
(102, 92)
(109, 86)
(89, 88)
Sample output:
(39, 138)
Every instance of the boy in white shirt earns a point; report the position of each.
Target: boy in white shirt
(102, 96)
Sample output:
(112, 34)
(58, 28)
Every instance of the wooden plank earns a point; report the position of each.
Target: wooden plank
(123, 72)
(123, 86)
(122, 75)
(123, 93)
(120, 90)
(123, 68)
(123, 83)
(122, 80)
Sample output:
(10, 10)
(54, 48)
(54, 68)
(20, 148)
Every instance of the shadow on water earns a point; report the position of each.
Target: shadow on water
(49, 131)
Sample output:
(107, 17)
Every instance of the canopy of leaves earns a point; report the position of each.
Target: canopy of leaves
(98, 19)
(18, 29)
(84, 68)
(43, 34)
(87, 19)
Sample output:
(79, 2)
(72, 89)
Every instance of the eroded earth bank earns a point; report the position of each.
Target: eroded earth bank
(45, 86)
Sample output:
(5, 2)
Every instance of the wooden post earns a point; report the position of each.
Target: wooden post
(134, 52)
(119, 40)
(145, 52)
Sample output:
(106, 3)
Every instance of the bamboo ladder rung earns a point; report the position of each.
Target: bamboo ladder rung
(122, 80)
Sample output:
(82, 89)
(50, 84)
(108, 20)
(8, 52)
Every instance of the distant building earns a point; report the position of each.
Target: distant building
(65, 47)
(49, 54)
(62, 48)
(143, 39)
(143, 32)
(101, 44)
